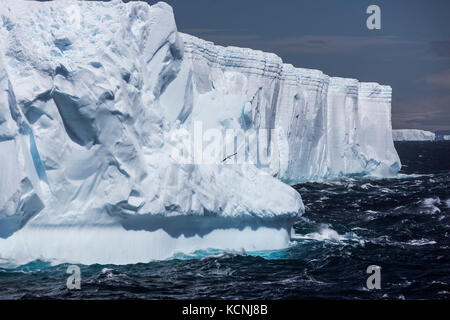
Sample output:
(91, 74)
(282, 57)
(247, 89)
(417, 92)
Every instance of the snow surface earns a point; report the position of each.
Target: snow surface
(412, 135)
(96, 101)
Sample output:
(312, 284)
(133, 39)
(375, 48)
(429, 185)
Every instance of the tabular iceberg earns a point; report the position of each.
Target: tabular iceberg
(412, 135)
(96, 102)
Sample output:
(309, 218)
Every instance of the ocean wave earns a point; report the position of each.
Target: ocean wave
(326, 233)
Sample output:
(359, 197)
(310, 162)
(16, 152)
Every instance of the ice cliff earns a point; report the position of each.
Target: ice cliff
(327, 127)
(413, 135)
(99, 104)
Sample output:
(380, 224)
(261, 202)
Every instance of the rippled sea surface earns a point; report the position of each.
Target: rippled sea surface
(401, 225)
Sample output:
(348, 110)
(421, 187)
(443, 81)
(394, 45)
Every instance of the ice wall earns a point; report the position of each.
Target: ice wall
(329, 126)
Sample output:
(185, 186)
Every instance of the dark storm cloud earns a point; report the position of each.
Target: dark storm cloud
(441, 79)
(333, 44)
(429, 113)
(441, 48)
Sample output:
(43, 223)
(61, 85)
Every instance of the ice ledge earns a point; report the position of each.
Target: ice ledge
(115, 245)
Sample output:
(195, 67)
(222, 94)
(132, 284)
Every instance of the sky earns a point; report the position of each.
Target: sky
(411, 52)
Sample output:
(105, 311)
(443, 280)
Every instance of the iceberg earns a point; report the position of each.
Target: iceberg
(412, 135)
(123, 140)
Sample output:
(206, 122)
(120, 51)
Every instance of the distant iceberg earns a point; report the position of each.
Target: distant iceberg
(100, 104)
(413, 135)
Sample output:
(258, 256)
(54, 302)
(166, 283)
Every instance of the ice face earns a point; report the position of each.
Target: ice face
(96, 101)
(328, 126)
(412, 135)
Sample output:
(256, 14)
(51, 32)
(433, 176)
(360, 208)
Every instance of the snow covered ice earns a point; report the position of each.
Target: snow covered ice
(412, 135)
(94, 99)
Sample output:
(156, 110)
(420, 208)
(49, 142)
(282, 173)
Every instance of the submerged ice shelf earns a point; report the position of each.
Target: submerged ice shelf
(95, 97)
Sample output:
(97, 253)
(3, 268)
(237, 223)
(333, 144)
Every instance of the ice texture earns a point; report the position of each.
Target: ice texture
(412, 135)
(96, 96)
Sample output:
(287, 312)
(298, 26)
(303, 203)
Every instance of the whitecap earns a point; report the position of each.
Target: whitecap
(429, 204)
(326, 233)
(421, 242)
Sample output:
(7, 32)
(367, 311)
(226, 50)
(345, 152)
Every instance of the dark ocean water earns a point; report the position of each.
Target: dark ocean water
(401, 225)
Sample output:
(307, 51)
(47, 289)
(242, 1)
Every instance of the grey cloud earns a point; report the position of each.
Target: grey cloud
(333, 44)
(428, 113)
(441, 79)
(441, 48)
